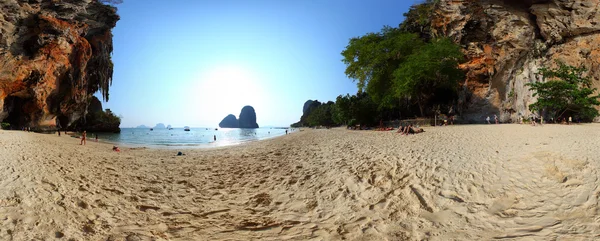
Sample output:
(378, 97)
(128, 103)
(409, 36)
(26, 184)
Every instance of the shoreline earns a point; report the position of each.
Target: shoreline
(209, 145)
(466, 182)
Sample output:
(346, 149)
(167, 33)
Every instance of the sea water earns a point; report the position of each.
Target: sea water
(196, 137)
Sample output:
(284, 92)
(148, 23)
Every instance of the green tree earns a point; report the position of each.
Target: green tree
(340, 112)
(372, 59)
(430, 71)
(565, 91)
(418, 19)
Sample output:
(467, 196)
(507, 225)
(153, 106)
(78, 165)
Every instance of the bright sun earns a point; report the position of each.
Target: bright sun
(225, 90)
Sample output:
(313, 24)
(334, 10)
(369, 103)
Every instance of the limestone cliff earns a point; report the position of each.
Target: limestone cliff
(507, 41)
(53, 56)
(230, 121)
(248, 118)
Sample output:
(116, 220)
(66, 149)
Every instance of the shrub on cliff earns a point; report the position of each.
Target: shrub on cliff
(565, 92)
(100, 121)
(5, 126)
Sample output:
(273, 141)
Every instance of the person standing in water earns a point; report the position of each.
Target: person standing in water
(83, 136)
(215, 137)
(286, 131)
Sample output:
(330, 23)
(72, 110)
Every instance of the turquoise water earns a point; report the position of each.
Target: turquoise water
(196, 137)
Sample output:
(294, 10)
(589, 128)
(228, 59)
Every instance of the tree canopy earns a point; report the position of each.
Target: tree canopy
(430, 71)
(565, 91)
(394, 64)
(372, 59)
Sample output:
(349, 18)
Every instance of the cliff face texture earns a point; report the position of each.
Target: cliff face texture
(507, 41)
(53, 56)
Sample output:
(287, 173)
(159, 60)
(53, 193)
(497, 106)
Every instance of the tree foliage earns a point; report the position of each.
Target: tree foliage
(565, 91)
(418, 19)
(430, 71)
(372, 59)
(321, 116)
(394, 64)
(355, 109)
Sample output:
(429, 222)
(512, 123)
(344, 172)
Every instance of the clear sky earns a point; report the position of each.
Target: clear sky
(191, 63)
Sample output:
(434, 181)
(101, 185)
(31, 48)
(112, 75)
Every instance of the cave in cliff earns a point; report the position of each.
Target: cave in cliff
(17, 112)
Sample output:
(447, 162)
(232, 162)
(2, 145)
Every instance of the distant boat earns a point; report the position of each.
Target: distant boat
(170, 128)
(187, 128)
(151, 129)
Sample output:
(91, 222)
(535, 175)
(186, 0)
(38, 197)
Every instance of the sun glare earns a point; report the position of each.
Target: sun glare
(225, 90)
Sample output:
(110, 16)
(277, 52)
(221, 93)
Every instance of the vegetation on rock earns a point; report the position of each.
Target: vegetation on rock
(98, 120)
(565, 92)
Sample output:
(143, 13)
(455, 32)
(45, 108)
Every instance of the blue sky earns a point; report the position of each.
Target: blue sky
(190, 63)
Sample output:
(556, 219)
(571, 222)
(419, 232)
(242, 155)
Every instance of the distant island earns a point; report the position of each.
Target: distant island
(247, 119)
(142, 127)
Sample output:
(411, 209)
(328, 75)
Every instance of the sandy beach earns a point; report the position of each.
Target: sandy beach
(476, 182)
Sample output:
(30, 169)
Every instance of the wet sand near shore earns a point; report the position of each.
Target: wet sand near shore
(474, 182)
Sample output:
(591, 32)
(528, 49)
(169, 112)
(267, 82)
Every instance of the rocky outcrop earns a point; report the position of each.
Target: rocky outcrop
(506, 42)
(97, 119)
(230, 121)
(247, 118)
(160, 126)
(307, 105)
(54, 56)
(307, 108)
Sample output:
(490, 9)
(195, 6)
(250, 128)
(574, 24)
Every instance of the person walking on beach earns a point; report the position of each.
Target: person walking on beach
(215, 137)
(570, 120)
(533, 120)
(83, 136)
(58, 126)
(488, 120)
(286, 132)
(496, 118)
(541, 120)
(96, 137)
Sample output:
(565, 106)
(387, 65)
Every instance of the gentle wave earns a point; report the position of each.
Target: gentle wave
(196, 137)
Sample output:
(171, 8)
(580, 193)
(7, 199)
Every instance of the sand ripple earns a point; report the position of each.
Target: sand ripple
(451, 183)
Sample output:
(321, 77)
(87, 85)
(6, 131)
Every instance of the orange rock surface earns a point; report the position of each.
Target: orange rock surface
(506, 42)
(50, 53)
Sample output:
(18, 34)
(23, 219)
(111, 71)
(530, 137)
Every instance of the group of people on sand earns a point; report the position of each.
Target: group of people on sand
(535, 120)
(495, 119)
(409, 129)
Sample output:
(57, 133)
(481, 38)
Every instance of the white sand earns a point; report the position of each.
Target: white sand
(460, 182)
